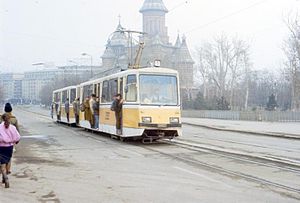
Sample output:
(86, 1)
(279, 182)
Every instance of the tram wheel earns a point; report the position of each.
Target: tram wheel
(113, 137)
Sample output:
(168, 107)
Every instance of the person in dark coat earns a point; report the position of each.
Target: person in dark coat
(117, 108)
(87, 111)
(96, 113)
(76, 108)
(67, 109)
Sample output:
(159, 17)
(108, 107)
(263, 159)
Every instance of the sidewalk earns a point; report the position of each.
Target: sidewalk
(279, 129)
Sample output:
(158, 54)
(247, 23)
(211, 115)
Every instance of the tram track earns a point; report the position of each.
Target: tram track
(247, 159)
(276, 162)
(229, 141)
(231, 173)
(219, 169)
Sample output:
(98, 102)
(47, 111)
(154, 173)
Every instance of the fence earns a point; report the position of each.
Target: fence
(280, 116)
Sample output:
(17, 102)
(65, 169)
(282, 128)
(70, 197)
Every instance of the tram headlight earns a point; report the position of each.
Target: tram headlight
(174, 120)
(146, 119)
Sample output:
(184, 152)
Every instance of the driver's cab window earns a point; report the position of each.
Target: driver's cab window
(131, 88)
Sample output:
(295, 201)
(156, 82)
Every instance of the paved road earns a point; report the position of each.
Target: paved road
(54, 163)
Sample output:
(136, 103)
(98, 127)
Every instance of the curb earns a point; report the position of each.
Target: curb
(279, 135)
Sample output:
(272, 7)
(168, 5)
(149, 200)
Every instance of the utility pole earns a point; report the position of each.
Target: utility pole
(85, 54)
(141, 46)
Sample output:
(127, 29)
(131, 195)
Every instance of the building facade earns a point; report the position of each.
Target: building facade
(121, 48)
(34, 81)
(11, 85)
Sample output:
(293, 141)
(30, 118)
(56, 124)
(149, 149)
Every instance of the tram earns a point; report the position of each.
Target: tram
(151, 110)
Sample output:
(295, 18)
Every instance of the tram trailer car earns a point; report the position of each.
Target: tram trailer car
(151, 110)
(59, 98)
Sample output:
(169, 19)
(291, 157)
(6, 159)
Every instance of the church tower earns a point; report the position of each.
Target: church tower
(154, 21)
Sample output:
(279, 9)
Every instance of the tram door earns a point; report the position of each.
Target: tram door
(120, 90)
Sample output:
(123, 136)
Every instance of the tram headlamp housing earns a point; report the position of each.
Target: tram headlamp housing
(174, 120)
(146, 119)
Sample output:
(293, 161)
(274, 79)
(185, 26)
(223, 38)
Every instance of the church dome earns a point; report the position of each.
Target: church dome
(153, 5)
(119, 37)
(109, 52)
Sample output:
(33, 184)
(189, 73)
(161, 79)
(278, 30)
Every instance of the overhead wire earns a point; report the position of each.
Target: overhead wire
(178, 5)
(227, 16)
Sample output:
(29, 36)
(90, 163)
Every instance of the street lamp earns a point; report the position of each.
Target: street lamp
(85, 54)
(71, 61)
(38, 64)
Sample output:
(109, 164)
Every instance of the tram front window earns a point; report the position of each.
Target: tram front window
(158, 90)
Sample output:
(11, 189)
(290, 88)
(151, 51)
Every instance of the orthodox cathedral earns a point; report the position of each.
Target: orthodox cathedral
(121, 48)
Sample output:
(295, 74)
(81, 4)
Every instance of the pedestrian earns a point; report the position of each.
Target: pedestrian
(91, 102)
(14, 121)
(9, 136)
(76, 108)
(116, 106)
(52, 109)
(96, 113)
(87, 111)
(67, 109)
(57, 109)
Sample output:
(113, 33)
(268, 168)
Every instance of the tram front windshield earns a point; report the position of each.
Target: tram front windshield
(158, 90)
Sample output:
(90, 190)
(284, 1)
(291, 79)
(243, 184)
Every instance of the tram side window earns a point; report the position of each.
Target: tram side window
(73, 95)
(56, 97)
(105, 91)
(64, 95)
(113, 88)
(95, 90)
(131, 88)
(87, 91)
(121, 86)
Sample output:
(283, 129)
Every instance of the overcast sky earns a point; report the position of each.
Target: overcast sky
(56, 31)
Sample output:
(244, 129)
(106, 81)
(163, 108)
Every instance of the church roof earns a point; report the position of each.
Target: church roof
(178, 42)
(157, 40)
(153, 5)
(183, 54)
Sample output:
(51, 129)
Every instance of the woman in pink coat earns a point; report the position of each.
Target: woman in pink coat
(8, 137)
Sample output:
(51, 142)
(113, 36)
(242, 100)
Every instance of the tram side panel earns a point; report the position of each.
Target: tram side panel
(107, 120)
(135, 123)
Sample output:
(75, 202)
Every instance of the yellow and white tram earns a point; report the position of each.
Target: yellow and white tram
(59, 99)
(152, 103)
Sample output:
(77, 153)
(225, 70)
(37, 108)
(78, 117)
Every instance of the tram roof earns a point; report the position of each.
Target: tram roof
(65, 88)
(148, 70)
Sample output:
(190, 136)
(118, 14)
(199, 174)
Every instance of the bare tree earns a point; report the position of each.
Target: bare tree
(239, 65)
(291, 48)
(222, 62)
(1, 93)
(59, 82)
(202, 69)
